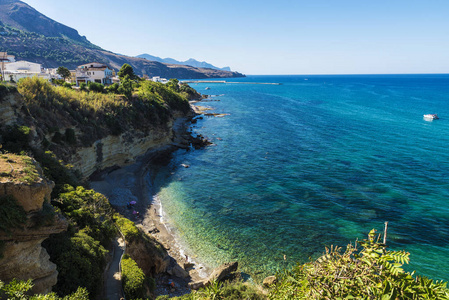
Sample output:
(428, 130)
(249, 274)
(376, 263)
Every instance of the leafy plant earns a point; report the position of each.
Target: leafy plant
(18, 290)
(134, 280)
(373, 272)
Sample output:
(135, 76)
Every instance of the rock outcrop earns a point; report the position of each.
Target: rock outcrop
(223, 272)
(118, 150)
(23, 257)
(9, 108)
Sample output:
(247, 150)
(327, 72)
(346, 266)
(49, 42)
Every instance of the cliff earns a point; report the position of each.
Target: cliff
(27, 220)
(118, 150)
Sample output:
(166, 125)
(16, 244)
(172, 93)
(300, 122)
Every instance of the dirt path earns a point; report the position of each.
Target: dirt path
(113, 280)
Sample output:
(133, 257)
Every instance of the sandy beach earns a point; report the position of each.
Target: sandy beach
(134, 183)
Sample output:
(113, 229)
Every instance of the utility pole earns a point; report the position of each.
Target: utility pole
(4, 56)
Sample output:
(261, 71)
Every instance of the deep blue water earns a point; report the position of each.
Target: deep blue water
(313, 163)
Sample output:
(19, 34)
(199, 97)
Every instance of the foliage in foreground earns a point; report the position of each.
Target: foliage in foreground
(17, 290)
(222, 290)
(134, 280)
(80, 252)
(371, 273)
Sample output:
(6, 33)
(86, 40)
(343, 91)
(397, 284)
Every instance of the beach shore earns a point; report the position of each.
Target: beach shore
(135, 183)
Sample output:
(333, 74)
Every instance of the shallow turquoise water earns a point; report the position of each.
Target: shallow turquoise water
(313, 163)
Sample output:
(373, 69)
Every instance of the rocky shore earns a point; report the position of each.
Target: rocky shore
(133, 184)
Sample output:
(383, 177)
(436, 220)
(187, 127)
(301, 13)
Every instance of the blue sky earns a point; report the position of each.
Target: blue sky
(270, 37)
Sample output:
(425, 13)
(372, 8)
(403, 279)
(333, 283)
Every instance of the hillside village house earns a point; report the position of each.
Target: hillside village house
(93, 72)
(22, 69)
(5, 58)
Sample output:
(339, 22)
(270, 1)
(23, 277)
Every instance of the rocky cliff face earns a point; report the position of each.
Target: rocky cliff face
(9, 108)
(22, 254)
(119, 150)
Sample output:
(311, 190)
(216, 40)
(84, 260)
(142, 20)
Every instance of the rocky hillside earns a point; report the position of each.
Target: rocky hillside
(27, 220)
(31, 36)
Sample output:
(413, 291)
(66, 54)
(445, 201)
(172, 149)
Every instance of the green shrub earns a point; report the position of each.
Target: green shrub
(67, 85)
(80, 261)
(83, 86)
(88, 210)
(18, 290)
(369, 273)
(95, 87)
(69, 136)
(15, 138)
(128, 228)
(12, 215)
(134, 280)
(55, 170)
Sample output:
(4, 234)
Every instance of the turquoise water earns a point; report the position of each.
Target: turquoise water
(313, 163)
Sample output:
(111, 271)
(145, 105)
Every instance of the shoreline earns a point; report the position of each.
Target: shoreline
(135, 183)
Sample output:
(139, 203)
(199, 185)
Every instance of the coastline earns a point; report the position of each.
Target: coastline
(135, 183)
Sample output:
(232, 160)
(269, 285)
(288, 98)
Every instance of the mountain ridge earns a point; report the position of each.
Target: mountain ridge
(31, 36)
(190, 62)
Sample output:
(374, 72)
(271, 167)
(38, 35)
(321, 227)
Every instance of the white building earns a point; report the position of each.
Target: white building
(93, 72)
(159, 79)
(4, 57)
(22, 69)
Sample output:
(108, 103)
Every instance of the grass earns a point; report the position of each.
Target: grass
(18, 168)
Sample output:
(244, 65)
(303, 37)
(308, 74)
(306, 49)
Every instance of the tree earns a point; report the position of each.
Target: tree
(64, 72)
(126, 69)
(126, 86)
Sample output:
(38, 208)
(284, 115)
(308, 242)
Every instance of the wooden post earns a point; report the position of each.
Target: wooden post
(385, 232)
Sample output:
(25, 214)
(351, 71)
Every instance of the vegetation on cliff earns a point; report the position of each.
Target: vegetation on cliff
(134, 280)
(18, 290)
(18, 169)
(97, 114)
(80, 252)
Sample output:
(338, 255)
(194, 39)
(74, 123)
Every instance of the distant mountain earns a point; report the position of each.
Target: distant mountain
(191, 62)
(31, 36)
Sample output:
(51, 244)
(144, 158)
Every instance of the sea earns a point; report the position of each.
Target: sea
(312, 162)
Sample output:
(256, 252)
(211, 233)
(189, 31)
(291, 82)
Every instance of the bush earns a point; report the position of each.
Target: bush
(67, 85)
(12, 215)
(88, 210)
(69, 136)
(80, 261)
(55, 170)
(15, 138)
(371, 273)
(95, 87)
(83, 86)
(18, 290)
(127, 227)
(134, 280)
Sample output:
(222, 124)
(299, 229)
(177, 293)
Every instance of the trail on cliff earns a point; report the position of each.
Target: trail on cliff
(113, 278)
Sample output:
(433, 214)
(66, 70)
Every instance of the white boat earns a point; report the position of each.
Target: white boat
(431, 117)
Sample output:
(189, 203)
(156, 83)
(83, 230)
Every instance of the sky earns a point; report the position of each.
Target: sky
(270, 37)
